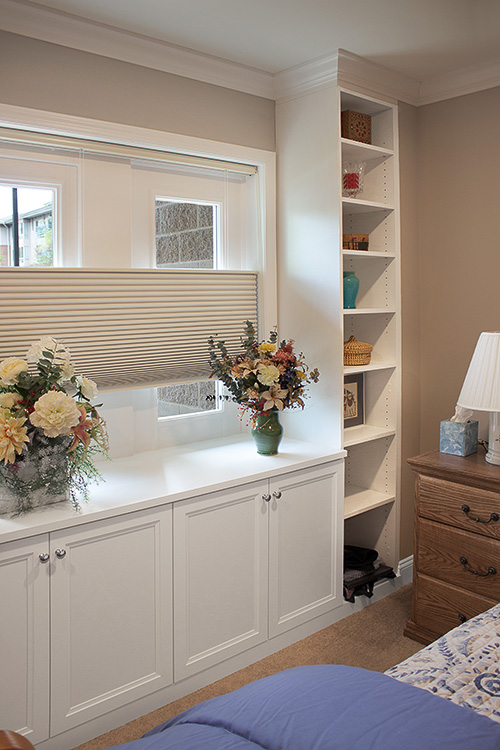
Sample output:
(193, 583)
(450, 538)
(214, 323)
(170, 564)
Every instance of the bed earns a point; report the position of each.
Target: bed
(445, 696)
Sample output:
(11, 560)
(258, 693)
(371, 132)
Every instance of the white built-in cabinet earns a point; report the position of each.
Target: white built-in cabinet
(254, 562)
(113, 612)
(105, 590)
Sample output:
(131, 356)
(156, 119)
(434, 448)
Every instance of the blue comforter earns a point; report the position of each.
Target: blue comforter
(324, 707)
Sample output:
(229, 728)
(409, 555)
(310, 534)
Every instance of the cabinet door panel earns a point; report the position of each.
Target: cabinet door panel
(24, 638)
(220, 579)
(111, 614)
(305, 554)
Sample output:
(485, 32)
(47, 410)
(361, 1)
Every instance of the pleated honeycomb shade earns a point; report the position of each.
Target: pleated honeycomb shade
(130, 328)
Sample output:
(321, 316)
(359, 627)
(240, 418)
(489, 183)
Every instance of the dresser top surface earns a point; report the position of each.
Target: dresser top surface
(473, 470)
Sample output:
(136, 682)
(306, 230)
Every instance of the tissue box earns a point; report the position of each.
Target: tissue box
(458, 438)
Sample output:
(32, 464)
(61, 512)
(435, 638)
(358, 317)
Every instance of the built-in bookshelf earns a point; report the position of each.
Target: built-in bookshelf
(371, 504)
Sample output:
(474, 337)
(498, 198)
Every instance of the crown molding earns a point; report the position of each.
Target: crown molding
(49, 25)
(460, 82)
(46, 24)
(350, 70)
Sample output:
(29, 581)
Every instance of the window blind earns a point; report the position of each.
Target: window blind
(129, 328)
(108, 148)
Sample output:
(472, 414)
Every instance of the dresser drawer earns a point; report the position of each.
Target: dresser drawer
(459, 505)
(440, 607)
(466, 560)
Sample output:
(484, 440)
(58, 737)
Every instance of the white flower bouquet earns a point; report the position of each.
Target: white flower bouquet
(49, 429)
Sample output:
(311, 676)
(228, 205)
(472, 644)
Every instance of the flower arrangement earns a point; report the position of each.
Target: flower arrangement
(264, 377)
(46, 415)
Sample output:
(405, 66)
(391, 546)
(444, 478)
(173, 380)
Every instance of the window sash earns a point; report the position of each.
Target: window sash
(129, 328)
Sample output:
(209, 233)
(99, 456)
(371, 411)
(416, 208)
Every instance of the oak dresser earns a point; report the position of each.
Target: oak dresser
(457, 542)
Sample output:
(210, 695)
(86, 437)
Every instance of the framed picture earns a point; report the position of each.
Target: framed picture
(354, 412)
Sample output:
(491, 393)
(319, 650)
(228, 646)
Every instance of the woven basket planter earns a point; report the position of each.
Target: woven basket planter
(357, 352)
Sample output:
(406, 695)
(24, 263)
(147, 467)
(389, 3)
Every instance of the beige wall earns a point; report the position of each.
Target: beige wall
(459, 244)
(410, 271)
(58, 79)
(450, 261)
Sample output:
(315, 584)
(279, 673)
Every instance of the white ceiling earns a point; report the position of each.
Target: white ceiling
(418, 38)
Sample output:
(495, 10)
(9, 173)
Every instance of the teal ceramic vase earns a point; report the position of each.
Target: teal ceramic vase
(351, 287)
(267, 433)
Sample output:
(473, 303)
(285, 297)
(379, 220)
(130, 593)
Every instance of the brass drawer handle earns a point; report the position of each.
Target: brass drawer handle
(493, 517)
(491, 570)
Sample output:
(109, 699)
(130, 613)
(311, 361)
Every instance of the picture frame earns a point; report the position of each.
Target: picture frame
(354, 401)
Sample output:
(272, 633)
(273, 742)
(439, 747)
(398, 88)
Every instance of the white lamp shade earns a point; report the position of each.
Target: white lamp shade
(481, 388)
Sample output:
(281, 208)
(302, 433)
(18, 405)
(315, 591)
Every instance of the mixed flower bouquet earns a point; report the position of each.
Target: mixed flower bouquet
(264, 377)
(45, 414)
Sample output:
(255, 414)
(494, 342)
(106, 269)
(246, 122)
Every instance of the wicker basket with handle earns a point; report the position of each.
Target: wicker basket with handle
(357, 352)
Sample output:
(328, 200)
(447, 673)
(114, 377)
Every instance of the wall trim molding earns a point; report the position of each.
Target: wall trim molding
(50, 25)
(405, 570)
(57, 27)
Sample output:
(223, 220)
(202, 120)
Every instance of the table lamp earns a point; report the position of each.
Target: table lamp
(481, 388)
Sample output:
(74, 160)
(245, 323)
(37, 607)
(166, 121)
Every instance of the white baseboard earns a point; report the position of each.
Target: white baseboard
(405, 570)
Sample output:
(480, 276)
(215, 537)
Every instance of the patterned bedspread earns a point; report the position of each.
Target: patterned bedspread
(463, 665)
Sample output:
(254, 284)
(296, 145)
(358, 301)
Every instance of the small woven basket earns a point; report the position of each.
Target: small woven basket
(357, 352)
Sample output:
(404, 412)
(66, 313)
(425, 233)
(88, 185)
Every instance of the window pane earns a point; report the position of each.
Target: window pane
(185, 235)
(34, 230)
(186, 238)
(188, 398)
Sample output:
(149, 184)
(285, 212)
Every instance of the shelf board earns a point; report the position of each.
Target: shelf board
(359, 500)
(373, 366)
(365, 433)
(358, 206)
(370, 311)
(365, 151)
(368, 254)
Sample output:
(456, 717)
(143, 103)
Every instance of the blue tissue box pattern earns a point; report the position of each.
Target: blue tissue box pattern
(458, 438)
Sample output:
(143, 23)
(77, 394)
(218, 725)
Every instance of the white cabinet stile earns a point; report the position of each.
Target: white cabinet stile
(24, 637)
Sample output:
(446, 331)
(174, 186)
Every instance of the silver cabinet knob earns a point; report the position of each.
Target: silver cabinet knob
(44, 557)
(277, 495)
(60, 553)
(267, 498)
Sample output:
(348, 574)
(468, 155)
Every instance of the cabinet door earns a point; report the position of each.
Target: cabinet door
(24, 638)
(220, 576)
(305, 546)
(111, 614)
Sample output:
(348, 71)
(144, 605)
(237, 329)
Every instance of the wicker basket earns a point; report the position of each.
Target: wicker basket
(357, 352)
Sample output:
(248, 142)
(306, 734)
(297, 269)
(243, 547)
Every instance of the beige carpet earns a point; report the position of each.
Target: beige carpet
(372, 638)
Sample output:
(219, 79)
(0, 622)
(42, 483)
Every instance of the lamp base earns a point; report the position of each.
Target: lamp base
(493, 455)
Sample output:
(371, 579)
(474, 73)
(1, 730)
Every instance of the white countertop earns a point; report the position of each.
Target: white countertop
(168, 475)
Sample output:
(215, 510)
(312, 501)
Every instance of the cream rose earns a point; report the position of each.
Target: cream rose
(55, 413)
(268, 374)
(60, 352)
(87, 387)
(8, 400)
(11, 368)
(12, 437)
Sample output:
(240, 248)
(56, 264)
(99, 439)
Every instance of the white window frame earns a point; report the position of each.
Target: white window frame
(130, 414)
(60, 175)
